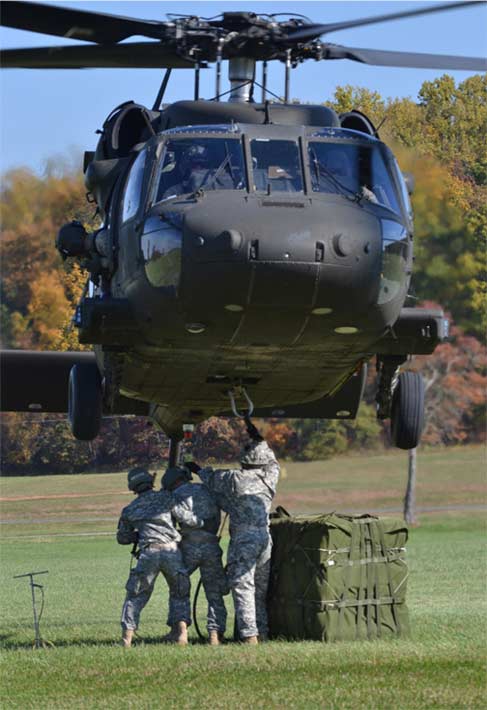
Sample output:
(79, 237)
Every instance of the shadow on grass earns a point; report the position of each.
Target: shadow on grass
(8, 643)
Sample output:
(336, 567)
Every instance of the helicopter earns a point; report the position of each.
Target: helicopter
(254, 254)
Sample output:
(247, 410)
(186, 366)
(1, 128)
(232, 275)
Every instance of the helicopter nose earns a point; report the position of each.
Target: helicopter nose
(279, 267)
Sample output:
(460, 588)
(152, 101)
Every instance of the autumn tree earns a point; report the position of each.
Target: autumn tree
(456, 382)
(441, 140)
(37, 291)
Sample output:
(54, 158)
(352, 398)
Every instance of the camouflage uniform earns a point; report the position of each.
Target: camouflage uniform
(246, 494)
(201, 549)
(148, 520)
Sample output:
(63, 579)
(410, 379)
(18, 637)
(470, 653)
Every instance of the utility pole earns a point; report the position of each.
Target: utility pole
(410, 497)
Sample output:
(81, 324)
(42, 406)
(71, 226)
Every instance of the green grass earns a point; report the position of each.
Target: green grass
(454, 476)
(440, 666)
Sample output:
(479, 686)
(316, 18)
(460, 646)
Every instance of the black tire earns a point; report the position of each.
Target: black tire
(85, 401)
(407, 412)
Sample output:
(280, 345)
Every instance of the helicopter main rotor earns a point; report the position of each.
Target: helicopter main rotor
(187, 41)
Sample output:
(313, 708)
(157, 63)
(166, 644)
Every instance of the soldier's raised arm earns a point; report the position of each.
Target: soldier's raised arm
(272, 468)
(216, 480)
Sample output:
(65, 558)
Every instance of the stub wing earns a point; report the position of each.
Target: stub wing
(34, 381)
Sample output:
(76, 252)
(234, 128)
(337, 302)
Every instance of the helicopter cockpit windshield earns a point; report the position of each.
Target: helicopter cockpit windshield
(191, 164)
(356, 169)
(276, 165)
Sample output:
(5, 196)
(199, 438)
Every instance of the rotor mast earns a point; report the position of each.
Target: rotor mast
(241, 74)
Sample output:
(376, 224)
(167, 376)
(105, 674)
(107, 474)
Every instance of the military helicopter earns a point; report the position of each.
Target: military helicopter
(250, 252)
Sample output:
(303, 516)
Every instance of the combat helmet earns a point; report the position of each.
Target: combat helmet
(256, 454)
(139, 479)
(173, 475)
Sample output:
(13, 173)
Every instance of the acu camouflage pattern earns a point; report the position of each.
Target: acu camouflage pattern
(167, 559)
(193, 498)
(148, 520)
(201, 550)
(247, 496)
(257, 453)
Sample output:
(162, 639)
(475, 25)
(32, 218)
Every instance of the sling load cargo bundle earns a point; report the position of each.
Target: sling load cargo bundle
(337, 577)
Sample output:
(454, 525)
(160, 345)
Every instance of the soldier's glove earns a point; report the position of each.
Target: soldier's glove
(192, 466)
(252, 430)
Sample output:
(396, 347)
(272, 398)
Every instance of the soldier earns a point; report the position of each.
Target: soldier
(246, 494)
(200, 547)
(147, 520)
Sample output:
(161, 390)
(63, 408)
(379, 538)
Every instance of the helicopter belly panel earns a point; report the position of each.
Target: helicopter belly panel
(188, 385)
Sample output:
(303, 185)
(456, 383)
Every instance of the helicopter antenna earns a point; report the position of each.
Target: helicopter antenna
(380, 125)
(162, 89)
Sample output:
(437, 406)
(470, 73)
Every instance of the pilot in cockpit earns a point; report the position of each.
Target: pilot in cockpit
(194, 168)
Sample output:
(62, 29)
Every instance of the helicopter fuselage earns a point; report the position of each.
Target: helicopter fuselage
(285, 286)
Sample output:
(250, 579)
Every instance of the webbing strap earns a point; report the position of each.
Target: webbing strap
(363, 553)
(389, 578)
(347, 580)
(370, 589)
(362, 560)
(347, 603)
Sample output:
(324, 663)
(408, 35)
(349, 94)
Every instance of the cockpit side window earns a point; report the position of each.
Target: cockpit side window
(404, 190)
(190, 164)
(360, 170)
(276, 166)
(133, 187)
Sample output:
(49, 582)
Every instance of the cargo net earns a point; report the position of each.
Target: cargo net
(337, 578)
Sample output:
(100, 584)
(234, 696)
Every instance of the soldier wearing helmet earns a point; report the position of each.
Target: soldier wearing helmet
(246, 495)
(200, 546)
(192, 166)
(148, 521)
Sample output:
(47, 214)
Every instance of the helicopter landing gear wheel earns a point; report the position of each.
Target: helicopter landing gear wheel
(85, 401)
(407, 413)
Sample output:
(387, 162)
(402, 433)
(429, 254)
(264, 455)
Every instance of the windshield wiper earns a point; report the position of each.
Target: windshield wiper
(219, 171)
(322, 171)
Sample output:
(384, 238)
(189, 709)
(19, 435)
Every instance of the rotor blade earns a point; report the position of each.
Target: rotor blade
(405, 59)
(310, 32)
(137, 55)
(76, 24)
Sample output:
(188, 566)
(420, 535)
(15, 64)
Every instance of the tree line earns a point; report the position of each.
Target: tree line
(440, 139)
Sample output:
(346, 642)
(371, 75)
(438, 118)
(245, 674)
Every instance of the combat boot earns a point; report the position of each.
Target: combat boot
(214, 638)
(127, 636)
(171, 636)
(252, 640)
(181, 636)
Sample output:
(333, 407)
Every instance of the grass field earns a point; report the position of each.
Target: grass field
(442, 665)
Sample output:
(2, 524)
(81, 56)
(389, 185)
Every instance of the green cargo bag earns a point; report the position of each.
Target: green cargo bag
(337, 577)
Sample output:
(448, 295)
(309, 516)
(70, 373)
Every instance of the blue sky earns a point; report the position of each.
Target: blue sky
(56, 112)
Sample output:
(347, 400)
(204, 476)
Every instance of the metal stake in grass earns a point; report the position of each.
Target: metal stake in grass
(39, 643)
